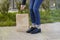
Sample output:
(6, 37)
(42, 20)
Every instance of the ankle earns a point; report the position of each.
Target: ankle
(33, 25)
(38, 26)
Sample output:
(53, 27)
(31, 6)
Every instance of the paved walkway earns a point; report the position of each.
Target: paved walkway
(50, 31)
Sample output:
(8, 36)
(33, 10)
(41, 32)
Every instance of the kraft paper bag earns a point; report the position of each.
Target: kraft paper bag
(22, 22)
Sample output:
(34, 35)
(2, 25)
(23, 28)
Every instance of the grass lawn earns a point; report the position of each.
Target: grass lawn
(46, 17)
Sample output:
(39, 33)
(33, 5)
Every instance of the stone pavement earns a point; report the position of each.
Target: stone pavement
(50, 31)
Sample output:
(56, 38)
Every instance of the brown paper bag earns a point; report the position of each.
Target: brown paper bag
(22, 22)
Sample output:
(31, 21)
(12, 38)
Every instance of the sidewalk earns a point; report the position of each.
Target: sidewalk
(50, 31)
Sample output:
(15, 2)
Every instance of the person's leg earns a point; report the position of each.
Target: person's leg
(32, 16)
(36, 6)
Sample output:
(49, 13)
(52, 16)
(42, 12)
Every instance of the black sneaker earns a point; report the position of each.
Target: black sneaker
(36, 30)
(31, 29)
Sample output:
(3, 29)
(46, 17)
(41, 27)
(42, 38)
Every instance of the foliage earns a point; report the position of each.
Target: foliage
(46, 16)
(49, 16)
(8, 20)
(4, 7)
(45, 4)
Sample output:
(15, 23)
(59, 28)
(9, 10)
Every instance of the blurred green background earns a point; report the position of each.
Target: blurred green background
(9, 18)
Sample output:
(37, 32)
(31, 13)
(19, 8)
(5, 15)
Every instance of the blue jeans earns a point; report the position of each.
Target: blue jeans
(34, 11)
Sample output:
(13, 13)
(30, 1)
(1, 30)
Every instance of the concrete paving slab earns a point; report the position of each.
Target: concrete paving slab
(9, 33)
(50, 31)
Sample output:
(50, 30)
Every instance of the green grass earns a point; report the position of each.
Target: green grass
(50, 16)
(46, 17)
(8, 20)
